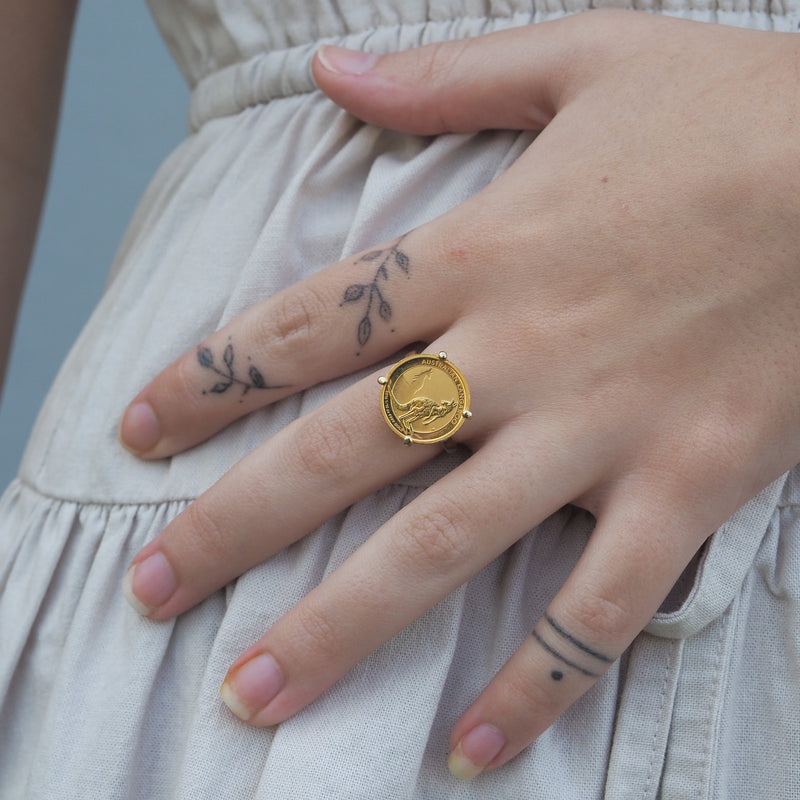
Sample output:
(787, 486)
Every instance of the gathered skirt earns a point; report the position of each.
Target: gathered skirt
(274, 183)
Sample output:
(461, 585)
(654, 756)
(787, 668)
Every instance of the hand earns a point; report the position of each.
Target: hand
(624, 304)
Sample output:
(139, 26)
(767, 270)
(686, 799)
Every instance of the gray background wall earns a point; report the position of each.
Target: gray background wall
(124, 109)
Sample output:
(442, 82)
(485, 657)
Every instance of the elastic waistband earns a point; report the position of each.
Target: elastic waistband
(283, 73)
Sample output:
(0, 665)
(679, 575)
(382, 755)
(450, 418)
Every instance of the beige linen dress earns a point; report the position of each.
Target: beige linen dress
(275, 182)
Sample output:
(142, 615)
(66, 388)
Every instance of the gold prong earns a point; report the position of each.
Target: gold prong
(383, 381)
(408, 441)
(467, 414)
(443, 355)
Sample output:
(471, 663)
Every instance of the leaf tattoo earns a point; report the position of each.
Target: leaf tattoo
(392, 257)
(255, 379)
(205, 357)
(364, 331)
(354, 292)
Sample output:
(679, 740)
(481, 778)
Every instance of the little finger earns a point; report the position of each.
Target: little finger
(618, 584)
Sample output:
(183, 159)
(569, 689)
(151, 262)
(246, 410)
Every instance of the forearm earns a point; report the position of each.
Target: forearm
(34, 42)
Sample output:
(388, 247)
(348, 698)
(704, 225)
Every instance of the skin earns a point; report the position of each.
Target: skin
(648, 244)
(34, 42)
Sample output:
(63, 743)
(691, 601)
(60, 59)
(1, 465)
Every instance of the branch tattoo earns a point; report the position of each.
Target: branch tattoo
(569, 651)
(389, 260)
(254, 378)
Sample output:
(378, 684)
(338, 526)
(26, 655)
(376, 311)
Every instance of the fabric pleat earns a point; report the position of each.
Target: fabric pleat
(274, 183)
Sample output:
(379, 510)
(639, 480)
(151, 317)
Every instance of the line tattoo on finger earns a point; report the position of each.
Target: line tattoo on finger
(228, 372)
(391, 259)
(573, 640)
(556, 674)
(570, 651)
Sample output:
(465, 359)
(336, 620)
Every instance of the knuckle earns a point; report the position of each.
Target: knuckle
(603, 617)
(705, 452)
(206, 534)
(438, 538)
(716, 437)
(294, 319)
(321, 637)
(438, 70)
(442, 61)
(324, 447)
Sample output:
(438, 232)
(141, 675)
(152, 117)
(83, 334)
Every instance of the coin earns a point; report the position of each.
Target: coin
(424, 399)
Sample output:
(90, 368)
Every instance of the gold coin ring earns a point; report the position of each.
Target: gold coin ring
(424, 399)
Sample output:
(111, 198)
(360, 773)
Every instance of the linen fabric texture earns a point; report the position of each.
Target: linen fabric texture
(273, 183)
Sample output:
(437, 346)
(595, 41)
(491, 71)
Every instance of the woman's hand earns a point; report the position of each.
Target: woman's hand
(625, 304)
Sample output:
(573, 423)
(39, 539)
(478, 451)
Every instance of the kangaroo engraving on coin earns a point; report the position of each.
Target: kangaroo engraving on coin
(424, 399)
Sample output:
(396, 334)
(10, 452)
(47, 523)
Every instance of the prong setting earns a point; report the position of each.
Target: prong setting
(424, 398)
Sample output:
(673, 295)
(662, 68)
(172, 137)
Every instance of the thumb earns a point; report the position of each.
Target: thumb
(514, 79)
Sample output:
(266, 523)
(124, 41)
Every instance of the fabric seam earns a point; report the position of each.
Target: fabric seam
(24, 483)
(646, 792)
(715, 701)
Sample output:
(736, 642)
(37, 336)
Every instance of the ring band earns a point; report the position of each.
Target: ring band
(424, 399)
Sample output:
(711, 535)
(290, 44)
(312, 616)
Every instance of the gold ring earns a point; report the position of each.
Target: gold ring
(424, 399)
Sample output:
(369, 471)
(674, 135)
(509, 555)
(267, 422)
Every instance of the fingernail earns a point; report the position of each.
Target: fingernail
(139, 430)
(248, 688)
(149, 584)
(475, 751)
(346, 62)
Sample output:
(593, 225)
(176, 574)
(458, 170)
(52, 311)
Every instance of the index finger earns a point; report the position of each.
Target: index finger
(345, 317)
